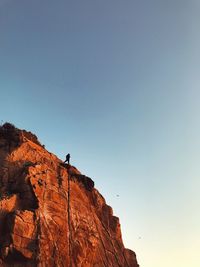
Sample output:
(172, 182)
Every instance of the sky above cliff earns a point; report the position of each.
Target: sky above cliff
(115, 83)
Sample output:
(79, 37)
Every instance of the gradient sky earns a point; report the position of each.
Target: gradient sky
(116, 83)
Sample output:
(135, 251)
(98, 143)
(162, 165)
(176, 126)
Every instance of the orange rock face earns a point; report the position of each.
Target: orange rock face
(50, 214)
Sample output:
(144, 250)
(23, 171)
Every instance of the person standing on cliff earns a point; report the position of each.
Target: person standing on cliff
(67, 159)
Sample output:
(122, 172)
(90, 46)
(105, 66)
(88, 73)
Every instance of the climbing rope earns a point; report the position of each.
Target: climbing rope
(69, 226)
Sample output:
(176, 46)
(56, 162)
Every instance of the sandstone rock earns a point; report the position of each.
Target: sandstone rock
(50, 214)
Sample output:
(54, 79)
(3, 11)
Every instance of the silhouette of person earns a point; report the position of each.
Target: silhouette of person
(67, 158)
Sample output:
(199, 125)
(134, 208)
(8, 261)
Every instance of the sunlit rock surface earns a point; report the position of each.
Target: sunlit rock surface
(50, 214)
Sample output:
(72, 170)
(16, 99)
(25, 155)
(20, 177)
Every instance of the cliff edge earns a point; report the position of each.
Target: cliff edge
(50, 214)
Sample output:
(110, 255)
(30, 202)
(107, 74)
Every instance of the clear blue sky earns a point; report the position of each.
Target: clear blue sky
(115, 83)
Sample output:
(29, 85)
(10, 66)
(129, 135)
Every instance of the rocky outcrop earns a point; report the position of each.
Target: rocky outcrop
(50, 214)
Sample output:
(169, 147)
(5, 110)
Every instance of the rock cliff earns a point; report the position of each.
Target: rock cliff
(50, 214)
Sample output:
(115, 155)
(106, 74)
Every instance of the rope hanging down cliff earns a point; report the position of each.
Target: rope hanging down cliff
(69, 226)
(66, 164)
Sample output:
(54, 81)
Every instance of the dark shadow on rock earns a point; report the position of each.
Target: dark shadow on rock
(87, 182)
